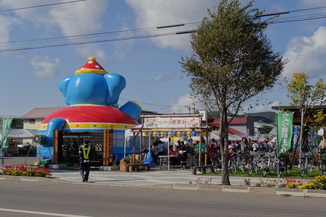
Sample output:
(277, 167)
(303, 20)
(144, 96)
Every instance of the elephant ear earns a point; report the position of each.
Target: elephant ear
(63, 87)
(116, 83)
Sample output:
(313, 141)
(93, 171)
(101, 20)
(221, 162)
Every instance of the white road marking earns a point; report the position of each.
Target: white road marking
(40, 213)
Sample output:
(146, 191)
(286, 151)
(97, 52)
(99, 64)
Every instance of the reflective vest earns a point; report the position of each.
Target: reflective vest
(86, 151)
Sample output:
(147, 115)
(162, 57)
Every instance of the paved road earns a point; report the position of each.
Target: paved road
(72, 200)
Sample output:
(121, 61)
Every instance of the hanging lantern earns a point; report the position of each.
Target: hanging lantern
(169, 134)
(162, 134)
(179, 134)
(166, 134)
(184, 134)
(146, 133)
(174, 134)
(155, 134)
(188, 134)
(150, 134)
(194, 133)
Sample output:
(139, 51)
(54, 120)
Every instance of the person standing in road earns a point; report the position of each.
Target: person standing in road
(84, 159)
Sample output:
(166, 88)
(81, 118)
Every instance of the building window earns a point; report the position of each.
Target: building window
(31, 121)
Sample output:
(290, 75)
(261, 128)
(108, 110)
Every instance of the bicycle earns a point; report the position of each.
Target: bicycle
(238, 162)
(304, 165)
(272, 163)
(323, 167)
(323, 162)
(284, 164)
(217, 166)
(232, 165)
(261, 162)
(247, 163)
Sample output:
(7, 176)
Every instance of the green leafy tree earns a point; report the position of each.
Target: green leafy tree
(307, 97)
(232, 61)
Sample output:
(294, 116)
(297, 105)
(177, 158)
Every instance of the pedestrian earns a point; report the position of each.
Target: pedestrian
(84, 159)
(244, 146)
(160, 148)
(191, 156)
(255, 146)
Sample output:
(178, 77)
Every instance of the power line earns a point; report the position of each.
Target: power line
(148, 35)
(126, 31)
(38, 6)
(87, 42)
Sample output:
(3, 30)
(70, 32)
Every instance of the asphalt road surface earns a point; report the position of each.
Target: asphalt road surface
(21, 198)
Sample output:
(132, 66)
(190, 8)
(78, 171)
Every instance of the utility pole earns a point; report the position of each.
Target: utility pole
(188, 107)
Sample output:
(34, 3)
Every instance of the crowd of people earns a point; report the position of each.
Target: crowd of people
(186, 153)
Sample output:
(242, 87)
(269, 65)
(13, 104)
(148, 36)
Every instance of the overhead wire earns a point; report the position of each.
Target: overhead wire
(38, 6)
(149, 32)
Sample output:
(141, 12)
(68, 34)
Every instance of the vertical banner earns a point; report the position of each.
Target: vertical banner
(284, 132)
(296, 135)
(258, 135)
(6, 126)
(313, 138)
(247, 133)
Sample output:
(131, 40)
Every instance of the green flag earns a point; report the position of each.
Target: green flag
(284, 132)
(6, 126)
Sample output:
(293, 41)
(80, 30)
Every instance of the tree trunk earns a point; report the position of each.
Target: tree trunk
(224, 146)
(302, 113)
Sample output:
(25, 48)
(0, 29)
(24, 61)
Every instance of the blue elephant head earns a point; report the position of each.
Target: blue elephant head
(92, 85)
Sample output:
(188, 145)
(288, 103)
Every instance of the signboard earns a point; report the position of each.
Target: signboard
(71, 142)
(284, 131)
(6, 126)
(172, 122)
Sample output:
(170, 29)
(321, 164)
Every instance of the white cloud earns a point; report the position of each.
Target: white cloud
(153, 13)
(307, 54)
(71, 19)
(122, 48)
(81, 18)
(43, 66)
(162, 77)
(6, 25)
(314, 2)
(185, 104)
(78, 18)
(88, 50)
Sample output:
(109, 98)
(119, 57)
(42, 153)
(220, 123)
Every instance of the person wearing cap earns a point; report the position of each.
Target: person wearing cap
(84, 159)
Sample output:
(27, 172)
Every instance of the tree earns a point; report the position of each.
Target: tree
(306, 97)
(232, 61)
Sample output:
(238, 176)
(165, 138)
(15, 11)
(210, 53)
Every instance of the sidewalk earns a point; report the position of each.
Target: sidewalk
(144, 178)
(169, 179)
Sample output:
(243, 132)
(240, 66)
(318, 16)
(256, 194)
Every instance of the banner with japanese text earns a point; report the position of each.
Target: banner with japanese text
(284, 132)
(6, 126)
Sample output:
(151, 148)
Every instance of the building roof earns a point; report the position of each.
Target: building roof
(36, 113)
(296, 107)
(234, 122)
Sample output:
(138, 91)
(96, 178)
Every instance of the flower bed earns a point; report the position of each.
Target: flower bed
(24, 170)
(318, 183)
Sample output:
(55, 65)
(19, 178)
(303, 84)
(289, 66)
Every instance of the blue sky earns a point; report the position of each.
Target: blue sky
(30, 78)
